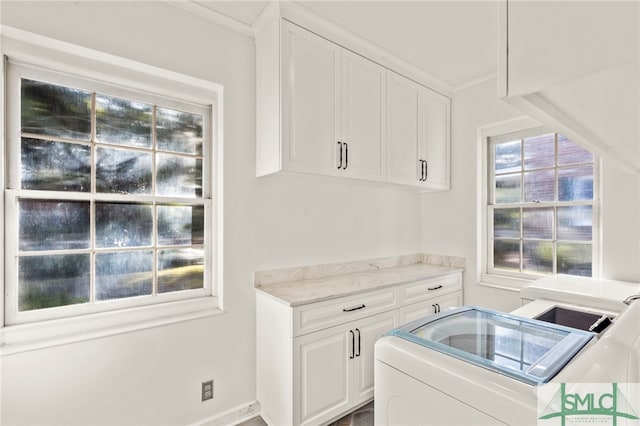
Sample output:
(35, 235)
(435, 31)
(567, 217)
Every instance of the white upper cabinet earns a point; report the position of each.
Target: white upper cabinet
(574, 67)
(434, 147)
(402, 115)
(310, 102)
(418, 121)
(322, 108)
(332, 108)
(363, 117)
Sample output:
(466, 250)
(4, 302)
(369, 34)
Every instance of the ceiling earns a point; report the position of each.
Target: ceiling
(454, 41)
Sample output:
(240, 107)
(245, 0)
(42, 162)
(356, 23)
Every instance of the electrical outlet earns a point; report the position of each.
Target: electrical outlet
(207, 390)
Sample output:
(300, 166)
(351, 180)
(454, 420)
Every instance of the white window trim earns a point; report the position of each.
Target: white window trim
(26, 47)
(503, 280)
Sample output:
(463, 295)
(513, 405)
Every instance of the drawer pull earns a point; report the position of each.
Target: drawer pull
(438, 287)
(355, 308)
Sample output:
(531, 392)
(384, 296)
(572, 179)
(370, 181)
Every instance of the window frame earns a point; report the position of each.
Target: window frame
(128, 79)
(15, 73)
(509, 130)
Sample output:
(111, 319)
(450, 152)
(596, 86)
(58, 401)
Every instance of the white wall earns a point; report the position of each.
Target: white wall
(450, 220)
(153, 376)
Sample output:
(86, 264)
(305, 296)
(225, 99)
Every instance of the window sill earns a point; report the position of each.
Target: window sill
(27, 337)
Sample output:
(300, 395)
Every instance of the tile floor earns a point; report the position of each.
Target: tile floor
(363, 416)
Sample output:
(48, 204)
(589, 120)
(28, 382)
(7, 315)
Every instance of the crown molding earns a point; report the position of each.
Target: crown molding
(274, 7)
(475, 81)
(211, 15)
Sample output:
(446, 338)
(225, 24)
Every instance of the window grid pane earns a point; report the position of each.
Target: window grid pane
(542, 231)
(99, 166)
(54, 110)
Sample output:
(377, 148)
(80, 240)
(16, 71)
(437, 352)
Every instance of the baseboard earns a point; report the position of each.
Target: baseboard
(231, 417)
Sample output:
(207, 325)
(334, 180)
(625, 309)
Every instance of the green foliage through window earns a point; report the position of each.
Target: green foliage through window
(75, 249)
(542, 206)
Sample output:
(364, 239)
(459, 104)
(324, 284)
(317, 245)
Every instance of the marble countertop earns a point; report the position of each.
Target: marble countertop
(300, 292)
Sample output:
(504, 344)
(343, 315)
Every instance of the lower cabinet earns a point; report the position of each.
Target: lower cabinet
(415, 311)
(315, 361)
(333, 368)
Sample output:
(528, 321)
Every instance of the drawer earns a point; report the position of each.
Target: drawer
(426, 289)
(317, 316)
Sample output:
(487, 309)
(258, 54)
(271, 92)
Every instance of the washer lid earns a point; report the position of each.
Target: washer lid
(528, 350)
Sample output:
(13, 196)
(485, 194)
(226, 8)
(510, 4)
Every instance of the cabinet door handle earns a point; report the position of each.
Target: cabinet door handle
(346, 156)
(438, 287)
(438, 308)
(359, 342)
(422, 179)
(426, 170)
(435, 310)
(353, 345)
(354, 308)
(420, 171)
(340, 154)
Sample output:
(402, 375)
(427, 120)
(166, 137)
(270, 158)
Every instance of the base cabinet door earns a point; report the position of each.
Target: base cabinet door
(415, 311)
(334, 368)
(449, 301)
(321, 371)
(368, 330)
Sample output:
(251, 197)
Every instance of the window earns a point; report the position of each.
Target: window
(542, 206)
(108, 197)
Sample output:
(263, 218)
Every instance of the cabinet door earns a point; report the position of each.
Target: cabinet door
(434, 138)
(321, 371)
(415, 311)
(403, 97)
(367, 331)
(448, 301)
(310, 107)
(363, 117)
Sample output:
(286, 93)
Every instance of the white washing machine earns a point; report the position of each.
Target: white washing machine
(474, 366)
